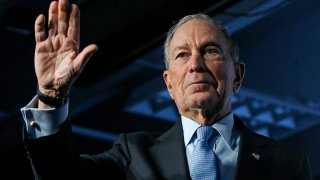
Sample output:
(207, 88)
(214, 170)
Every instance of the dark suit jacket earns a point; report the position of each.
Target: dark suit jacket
(146, 155)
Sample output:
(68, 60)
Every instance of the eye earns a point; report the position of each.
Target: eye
(211, 53)
(182, 55)
(211, 50)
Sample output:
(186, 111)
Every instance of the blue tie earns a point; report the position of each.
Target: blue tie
(203, 164)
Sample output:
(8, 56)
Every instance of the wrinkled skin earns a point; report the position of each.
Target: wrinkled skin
(58, 61)
(202, 77)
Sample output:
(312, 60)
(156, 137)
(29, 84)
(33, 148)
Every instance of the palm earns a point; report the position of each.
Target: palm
(57, 58)
(54, 59)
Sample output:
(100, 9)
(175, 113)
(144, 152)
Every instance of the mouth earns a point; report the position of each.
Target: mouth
(200, 82)
(203, 82)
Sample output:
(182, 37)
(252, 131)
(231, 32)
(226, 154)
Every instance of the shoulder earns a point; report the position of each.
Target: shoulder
(278, 147)
(138, 138)
(143, 135)
(274, 148)
(281, 153)
(150, 137)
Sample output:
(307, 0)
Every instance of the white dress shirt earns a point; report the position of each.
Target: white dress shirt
(43, 122)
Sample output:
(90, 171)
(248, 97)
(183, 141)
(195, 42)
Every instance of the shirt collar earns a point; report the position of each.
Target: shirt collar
(224, 127)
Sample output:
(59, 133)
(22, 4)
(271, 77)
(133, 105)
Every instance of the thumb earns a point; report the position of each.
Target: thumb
(84, 56)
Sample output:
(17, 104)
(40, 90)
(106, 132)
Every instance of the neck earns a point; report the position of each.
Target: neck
(204, 117)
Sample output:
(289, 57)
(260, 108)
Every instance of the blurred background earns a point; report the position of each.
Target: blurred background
(121, 90)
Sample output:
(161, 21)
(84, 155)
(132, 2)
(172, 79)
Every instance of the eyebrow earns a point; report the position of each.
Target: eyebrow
(184, 46)
(209, 43)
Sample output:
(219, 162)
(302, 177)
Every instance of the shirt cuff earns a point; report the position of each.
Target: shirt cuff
(43, 122)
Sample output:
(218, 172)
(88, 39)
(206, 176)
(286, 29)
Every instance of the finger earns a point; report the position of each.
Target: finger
(39, 29)
(84, 57)
(74, 24)
(53, 18)
(63, 17)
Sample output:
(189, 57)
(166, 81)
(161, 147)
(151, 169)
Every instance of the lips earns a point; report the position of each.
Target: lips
(200, 79)
(199, 82)
(204, 82)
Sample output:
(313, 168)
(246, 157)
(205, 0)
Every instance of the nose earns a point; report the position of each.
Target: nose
(197, 63)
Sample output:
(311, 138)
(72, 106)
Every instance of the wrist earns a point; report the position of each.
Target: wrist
(51, 98)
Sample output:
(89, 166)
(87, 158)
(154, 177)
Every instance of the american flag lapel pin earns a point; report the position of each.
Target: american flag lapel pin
(256, 156)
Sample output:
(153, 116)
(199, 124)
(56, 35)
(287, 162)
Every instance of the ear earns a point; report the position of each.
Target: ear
(167, 79)
(239, 75)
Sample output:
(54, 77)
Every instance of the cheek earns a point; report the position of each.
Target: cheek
(224, 75)
(223, 71)
(178, 78)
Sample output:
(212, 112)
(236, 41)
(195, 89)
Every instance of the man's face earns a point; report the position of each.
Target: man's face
(201, 73)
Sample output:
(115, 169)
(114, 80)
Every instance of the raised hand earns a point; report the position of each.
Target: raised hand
(58, 61)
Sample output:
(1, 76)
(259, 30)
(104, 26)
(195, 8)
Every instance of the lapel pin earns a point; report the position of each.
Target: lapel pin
(256, 156)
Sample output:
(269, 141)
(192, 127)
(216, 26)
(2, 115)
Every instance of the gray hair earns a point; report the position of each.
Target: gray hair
(233, 47)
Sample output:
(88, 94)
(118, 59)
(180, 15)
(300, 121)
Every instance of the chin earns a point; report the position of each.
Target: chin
(203, 100)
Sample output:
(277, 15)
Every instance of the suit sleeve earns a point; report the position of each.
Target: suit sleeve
(54, 157)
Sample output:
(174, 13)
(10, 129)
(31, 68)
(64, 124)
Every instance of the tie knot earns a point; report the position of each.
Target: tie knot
(204, 132)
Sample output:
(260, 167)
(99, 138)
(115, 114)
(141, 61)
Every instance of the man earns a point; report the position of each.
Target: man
(202, 74)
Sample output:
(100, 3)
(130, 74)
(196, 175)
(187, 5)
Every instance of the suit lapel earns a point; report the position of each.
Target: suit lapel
(253, 162)
(168, 153)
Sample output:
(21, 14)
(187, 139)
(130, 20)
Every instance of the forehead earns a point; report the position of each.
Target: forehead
(195, 32)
